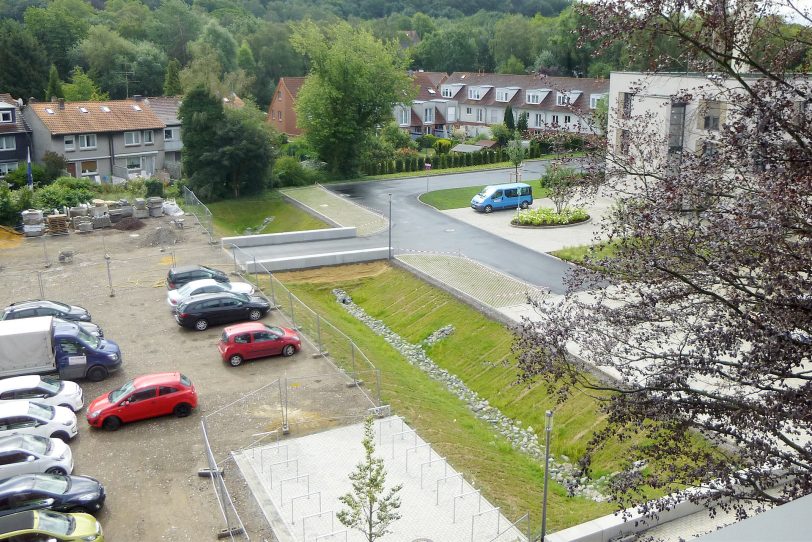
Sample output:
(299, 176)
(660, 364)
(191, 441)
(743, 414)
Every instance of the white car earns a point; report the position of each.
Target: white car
(23, 417)
(29, 454)
(48, 392)
(206, 286)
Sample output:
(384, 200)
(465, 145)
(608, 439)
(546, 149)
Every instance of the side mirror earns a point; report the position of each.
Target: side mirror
(29, 458)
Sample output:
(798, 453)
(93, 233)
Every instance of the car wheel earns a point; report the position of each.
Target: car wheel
(61, 435)
(97, 373)
(235, 360)
(59, 471)
(182, 410)
(255, 314)
(524, 205)
(288, 350)
(111, 424)
(488, 208)
(201, 325)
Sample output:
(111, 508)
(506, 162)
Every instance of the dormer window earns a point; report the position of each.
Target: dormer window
(6, 117)
(446, 92)
(428, 115)
(432, 91)
(594, 99)
(473, 93)
(105, 109)
(533, 98)
(403, 116)
(501, 95)
(562, 99)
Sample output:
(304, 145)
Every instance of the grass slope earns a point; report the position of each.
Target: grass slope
(475, 352)
(233, 216)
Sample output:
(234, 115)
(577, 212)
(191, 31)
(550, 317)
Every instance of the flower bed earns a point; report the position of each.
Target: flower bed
(548, 217)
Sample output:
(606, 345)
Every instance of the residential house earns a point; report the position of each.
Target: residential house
(166, 109)
(106, 141)
(15, 135)
(428, 112)
(475, 101)
(281, 112)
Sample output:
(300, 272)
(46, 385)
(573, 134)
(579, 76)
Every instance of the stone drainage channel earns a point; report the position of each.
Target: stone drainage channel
(525, 440)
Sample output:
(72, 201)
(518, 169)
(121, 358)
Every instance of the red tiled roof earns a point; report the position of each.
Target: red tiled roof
(293, 84)
(90, 117)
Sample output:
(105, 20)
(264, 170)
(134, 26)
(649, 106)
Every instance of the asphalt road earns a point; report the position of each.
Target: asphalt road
(416, 226)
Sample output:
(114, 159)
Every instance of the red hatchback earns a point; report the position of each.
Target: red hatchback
(256, 340)
(146, 396)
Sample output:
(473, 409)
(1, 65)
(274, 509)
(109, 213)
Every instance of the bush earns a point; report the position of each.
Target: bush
(288, 171)
(548, 217)
(427, 141)
(136, 187)
(442, 146)
(398, 165)
(155, 188)
(18, 178)
(175, 189)
(421, 164)
(64, 192)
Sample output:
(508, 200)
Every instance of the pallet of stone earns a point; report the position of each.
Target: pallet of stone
(33, 230)
(84, 227)
(99, 210)
(32, 216)
(76, 220)
(140, 203)
(78, 211)
(101, 222)
(126, 210)
(57, 224)
(115, 215)
(140, 213)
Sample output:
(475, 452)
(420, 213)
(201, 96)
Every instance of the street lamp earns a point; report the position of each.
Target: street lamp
(548, 427)
(389, 254)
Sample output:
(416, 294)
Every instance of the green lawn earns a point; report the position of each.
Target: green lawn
(233, 216)
(479, 352)
(578, 253)
(457, 198)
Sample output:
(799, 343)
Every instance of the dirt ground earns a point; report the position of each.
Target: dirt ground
(150, 468)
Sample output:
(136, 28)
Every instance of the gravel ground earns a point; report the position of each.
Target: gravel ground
(150, 468)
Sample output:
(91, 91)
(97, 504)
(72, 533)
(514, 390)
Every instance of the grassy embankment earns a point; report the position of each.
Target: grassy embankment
(233, 216)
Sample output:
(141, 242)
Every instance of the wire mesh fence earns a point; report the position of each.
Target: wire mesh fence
(191, 204)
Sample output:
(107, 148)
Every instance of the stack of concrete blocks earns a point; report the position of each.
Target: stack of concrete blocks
(156, 206)
(100, 218)
(82, 224)
(81, 210)
(140, 208)
(33, 223)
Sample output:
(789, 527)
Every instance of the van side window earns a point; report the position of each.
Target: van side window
(511, 193)
(525, 191)
(497, 194)
(70, 347)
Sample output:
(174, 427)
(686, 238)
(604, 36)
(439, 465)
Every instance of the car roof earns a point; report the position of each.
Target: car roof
(17, 442)
(156, 379)
(187, 268)
(200, 283)
(19, 382)
(14, 407)
(212, 295)
(17, 522)
(21, 481)
(244, 328)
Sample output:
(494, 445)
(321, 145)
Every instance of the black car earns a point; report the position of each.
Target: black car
(178, 276)
(205, 309)
(60, 493)
(44, 307)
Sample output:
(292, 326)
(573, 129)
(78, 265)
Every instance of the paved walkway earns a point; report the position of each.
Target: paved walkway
(338, 209)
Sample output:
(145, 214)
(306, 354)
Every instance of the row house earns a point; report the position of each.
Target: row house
(478, 100)
(428, 112)
(106, 141)
(166, 108)
(15, 135)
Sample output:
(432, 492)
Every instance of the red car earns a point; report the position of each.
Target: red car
(146, 396)
(256, 340)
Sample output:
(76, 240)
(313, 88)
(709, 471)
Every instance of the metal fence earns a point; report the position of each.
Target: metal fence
(234, 528)
(191, 204)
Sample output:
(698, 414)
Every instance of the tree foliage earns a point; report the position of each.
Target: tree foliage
(370, 509)
(82, 88)
(54, 89)
(354, 82)
(23, 62)
(172, 86)
(703, 312)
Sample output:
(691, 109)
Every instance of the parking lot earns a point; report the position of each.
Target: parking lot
(150, 468)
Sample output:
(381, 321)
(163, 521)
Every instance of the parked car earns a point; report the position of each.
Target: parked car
(253, 340)
(48, 526)
(52, 491)
(184, 274)
(27, 454)
(147, 396)
(25, 417)
(203, 310)
(206, 286)
(43, 390)
(44, 307)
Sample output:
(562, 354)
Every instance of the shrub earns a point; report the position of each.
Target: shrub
(64, 192)
(548, 217)
(18, 178)
(427, 141)
(398, 165)
(136, 187)
(421, 164)
(155, 188)
(442, 146)
(175, 189)
(288, 171)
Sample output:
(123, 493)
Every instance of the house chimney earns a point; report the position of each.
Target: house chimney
(61, 104)
(53, 99)
(137, 97)
(32, 100)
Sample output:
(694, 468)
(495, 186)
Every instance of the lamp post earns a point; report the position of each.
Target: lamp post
(389, 254)
(548, 427)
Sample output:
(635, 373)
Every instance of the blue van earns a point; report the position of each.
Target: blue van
(503, 196)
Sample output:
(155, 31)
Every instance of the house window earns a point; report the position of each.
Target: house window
(594, 99)
(626, 105)
(8, 143)
(467, 110)
(87, 141)
(133, 163)
(624, 142)
(561, 99)
(555, 120)
(279, 96)
(6, 117)
(403, 116)
(169, 134)
(446, 92)
(480, 115)
(533, 98)
(709, 150)
(473, 93)
(5, 167)
(279, 115)
(539, 120)
(495, 116)
(451, 114)
(428, 114)
(89, 168)
(501, 96)
(147, 137)
(70, 143)
(567, 119)
(131, 138)
(713, 111)
(676, 128)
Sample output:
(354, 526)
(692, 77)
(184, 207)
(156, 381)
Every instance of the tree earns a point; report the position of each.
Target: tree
(244, 150)
(54, 89)
(172, 85)
(354, 82)
(368, 509)
(563, 184)
(174, 24)
(501, 134)
(58, 27)
(521, 123)
(245, 58)
(703, 310)
(511, 65)
(202, 114)
(23, 60)
(516, 152)
(82, 88)
(510, 121)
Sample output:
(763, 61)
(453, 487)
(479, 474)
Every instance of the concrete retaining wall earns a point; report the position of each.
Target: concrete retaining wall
(317, 260)
(288, 237)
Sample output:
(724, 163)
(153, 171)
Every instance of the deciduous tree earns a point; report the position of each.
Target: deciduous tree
(54, 89)
(172, 86)
(23, 62)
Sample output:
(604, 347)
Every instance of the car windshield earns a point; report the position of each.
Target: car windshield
(56, 523)
(88, 339)
(37, 445)
(485, 192)
(115, 395)
(185, 380)
(57, 485)
(43, 412)
(241, 297)
(50, 386)
(58, 305)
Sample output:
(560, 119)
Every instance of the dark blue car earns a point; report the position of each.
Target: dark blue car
(61, 493)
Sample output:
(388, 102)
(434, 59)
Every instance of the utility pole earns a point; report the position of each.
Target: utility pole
(127, 81)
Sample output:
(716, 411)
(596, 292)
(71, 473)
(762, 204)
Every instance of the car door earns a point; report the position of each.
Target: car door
(75, 358)
(511, 197)
(212, 311)
(16, 462)
(167, 396)
(28, 500)
(48, 311)
(264, 343)
(233, 310)
(23, 425)
(139, 405)
(497, 198)
(244, 346)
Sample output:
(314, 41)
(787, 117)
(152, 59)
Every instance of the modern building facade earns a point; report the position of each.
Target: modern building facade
(15, 135)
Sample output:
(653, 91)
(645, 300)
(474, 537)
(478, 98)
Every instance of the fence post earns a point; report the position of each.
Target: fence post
(256, 272)
(39, 280)
(109, 276)
(45, 251)
(234, 255)
(378, 385)
(273, 295)
(318, 334)
(352, 356)
(292, 317)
